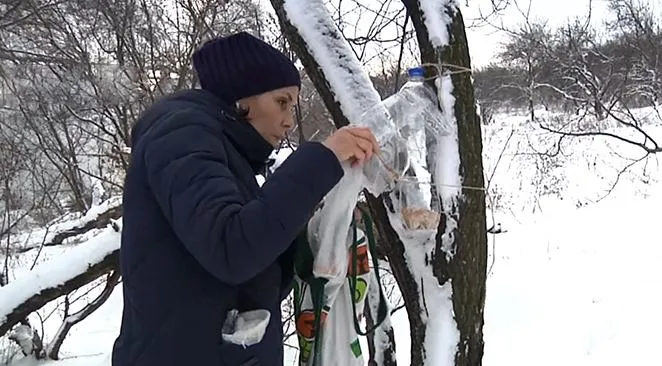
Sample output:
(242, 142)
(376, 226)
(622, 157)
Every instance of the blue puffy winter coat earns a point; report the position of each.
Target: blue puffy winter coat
(201, 237)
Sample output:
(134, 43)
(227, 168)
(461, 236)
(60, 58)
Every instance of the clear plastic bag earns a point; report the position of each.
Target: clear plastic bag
(408, 126)
(422, 124)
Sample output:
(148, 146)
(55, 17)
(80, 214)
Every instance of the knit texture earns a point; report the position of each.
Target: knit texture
(241, 65)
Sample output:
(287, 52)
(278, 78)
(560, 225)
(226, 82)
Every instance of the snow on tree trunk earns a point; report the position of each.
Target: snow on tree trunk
(459, 259)
(341, 70)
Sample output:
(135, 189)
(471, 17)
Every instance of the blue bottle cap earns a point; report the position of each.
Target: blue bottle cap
(416, 72)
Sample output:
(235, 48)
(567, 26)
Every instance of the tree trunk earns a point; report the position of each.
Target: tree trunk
(322, 85)
(407, 283)
(467, 268)
(312, 67)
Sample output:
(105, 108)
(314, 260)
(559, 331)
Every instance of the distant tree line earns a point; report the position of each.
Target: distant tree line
(578, 67)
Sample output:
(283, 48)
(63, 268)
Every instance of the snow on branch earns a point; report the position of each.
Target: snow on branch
(437, 20)
(59, 276)
(348, 80)
(96, 217)
(70, 320)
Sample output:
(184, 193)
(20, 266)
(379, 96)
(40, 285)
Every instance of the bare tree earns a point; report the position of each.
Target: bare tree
(602, 77)
(74, 77)
(72, 319)
(638, 31)
(79, 74)
(468, 269)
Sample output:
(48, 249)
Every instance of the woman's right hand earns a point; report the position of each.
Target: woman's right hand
(354, 144)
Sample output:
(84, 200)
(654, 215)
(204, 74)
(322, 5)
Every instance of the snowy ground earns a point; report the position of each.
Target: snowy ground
(575, 279)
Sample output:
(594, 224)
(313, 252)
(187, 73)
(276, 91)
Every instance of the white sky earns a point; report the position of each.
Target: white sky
(484, 41)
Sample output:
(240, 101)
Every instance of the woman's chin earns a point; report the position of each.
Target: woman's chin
(274, 143)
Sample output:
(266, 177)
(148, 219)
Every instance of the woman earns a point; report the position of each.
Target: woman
(200, 237)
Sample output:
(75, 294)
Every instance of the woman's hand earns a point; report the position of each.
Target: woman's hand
(354, 144)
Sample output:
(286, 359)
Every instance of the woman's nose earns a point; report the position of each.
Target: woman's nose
(288, 121)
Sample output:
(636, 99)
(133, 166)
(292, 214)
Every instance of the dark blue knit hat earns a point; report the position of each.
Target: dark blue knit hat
(240, 65)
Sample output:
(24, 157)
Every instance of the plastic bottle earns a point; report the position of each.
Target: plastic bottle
(416, 75)
(410, 108)
(398, 124)
(381, 172)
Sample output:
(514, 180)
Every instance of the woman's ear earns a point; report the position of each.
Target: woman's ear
(242, 112)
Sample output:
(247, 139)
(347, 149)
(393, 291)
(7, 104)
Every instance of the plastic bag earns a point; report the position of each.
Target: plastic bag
(340, 342)
(416, 115)
(408, 126)
(329, 226)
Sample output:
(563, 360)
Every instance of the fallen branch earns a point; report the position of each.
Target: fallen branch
(59, 276)
(98, 217)
(77, 317)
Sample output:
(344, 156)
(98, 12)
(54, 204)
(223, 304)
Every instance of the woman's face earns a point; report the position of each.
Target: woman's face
(272, 113)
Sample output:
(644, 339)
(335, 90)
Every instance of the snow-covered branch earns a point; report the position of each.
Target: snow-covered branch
(53, 348)
(348, 81)
(329, 61)
(59, 276)
(97, 217)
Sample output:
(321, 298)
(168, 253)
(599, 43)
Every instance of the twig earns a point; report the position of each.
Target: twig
(618, 176)
(75, 318)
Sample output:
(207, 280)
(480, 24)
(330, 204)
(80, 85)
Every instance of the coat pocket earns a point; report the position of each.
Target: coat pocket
(246, 328)
(237, 355)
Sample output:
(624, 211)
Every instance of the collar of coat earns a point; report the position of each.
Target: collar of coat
(244, 137)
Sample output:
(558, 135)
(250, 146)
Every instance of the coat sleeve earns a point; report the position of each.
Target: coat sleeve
(234, 240)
